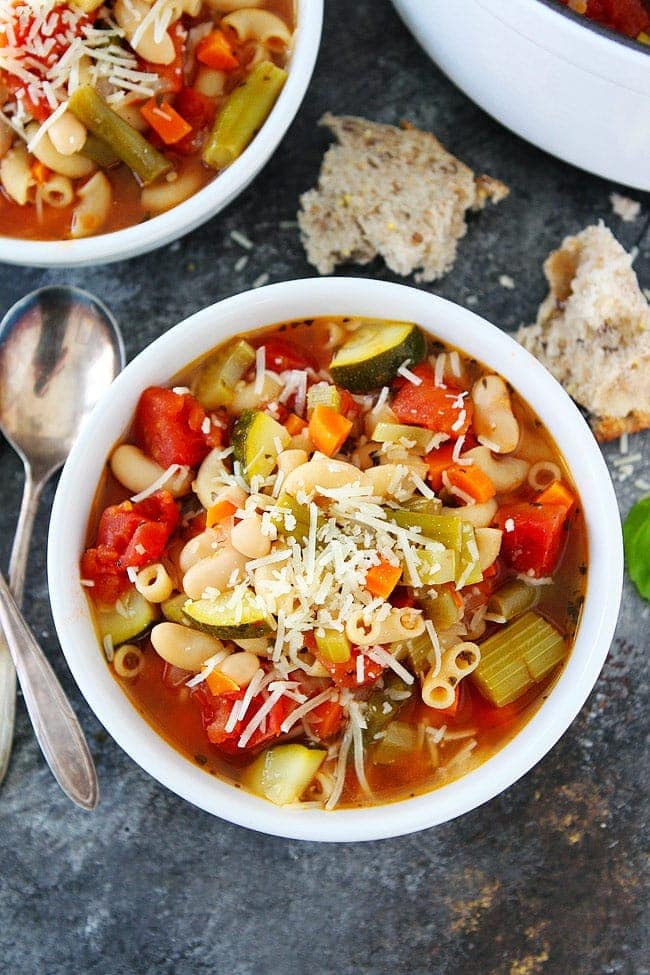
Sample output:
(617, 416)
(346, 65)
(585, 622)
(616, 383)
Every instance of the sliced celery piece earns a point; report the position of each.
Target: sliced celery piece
(334, 646)
(434, 568)
(384, 704)
(447, 529)
(443, 611)
(283, 772)
(468, 566)
(243, 114)
(420, 653)
(323, 394)
(131, 147)
(215, 385)
(399, 738)
(425, 506)
(516, 657)
(513, 599)
(397, 432)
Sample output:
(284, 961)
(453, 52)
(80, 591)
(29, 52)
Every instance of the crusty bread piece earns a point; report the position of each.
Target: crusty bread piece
(593, 331)
(390, 191)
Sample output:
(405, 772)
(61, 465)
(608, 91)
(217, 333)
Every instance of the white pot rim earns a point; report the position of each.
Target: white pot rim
(167, 227)
(311, 298)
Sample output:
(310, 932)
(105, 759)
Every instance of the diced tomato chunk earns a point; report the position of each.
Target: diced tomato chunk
(169, 427)
(281, 354)
(326, 720)
(198, 111)
(442, 409)
(228, 741)
(99, 566)
(533, 536)
(345, 674)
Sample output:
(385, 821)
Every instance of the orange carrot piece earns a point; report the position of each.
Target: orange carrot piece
(473, 481)
(438, 461)
(557, 493)
(381, 579)
(40, 171)
(165, 121)
(294, 425)
(219, 512)
(328, 429)
(215, 51)
(219, 683)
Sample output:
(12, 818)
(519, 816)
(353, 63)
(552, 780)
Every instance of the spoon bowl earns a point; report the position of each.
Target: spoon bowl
(60, 348)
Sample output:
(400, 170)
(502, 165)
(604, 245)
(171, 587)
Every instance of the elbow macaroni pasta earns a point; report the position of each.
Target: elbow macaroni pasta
(439, 688)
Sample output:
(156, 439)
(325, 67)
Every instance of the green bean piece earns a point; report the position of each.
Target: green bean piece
(446, 529)
(243, 114)
(384, 704)
(216, 383)
(516, 657)
(333, 646)
(513, 599)
(323, 394)
(100, 153)
(442, 610)
(131, 147)
(399, 738)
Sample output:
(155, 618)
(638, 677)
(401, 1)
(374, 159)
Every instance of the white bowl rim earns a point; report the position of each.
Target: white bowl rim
(166, 227)
(294, 300)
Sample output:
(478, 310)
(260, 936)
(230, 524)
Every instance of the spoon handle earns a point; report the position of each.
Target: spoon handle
(57, 730)
(17, 569)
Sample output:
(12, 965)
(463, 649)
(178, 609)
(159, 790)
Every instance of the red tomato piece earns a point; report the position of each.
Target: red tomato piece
(326, 720)
(282, 354)
(199, 111)
(345, 674)
(533, 536)
(169, 427)
(99, 566)
(438, 408)
(138, 533)
(228, 741)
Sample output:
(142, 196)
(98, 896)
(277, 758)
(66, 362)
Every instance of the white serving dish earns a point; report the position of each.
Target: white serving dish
(304, 299)
(167, 227)
(573, 88)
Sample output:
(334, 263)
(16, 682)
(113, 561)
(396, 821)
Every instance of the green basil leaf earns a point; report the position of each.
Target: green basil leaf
(636, 539)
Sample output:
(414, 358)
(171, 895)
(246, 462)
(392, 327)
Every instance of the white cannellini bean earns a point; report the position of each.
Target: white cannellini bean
(493, 416)
(323, 472)
(183, 647)
(201, 546)
(247, 537)
(240, 667)
(137, 472)
(214, 572)
(67, 134)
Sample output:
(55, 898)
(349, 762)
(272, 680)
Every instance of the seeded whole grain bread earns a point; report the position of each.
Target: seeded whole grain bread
(391, 191)
(593, 331)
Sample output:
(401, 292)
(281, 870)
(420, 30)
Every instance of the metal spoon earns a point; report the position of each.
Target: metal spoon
(60, 348)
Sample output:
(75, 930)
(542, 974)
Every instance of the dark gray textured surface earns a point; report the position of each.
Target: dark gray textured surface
(546, 879)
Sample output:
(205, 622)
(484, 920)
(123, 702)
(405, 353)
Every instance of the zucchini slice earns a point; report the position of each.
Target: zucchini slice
(172, 608)
(216, 616)
(136, 618)
(216, 382)
(257, 440)
(373, 354)
(283, 772)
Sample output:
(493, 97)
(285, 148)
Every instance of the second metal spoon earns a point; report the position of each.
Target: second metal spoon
(60, 348)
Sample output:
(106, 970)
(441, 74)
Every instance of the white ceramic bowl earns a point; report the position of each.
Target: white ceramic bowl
(573, 88)
(122, 244)
(303, 299)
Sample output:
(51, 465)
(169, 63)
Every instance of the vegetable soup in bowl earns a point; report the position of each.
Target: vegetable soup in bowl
(336, 578)
(126, 124)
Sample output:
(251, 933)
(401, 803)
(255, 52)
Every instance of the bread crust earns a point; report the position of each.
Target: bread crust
(394, 192)
(593, 331)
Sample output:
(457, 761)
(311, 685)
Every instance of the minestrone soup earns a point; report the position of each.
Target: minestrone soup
(111, 113)
(336, 562)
